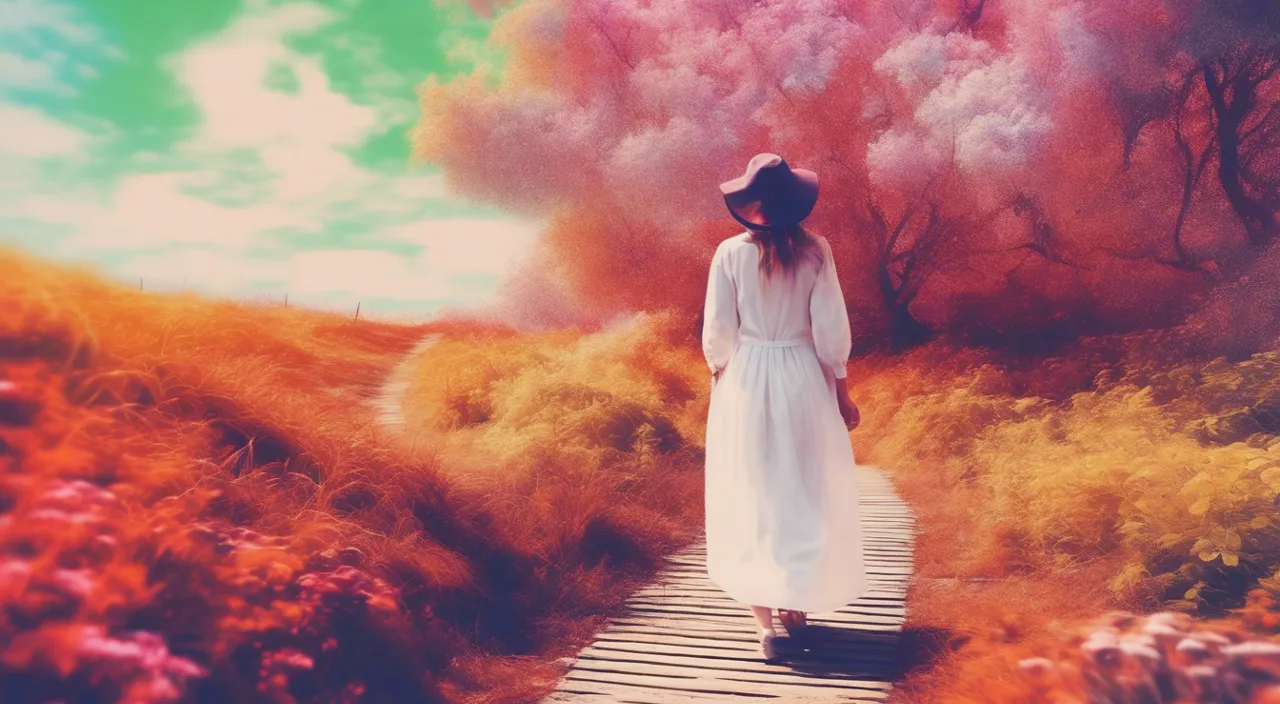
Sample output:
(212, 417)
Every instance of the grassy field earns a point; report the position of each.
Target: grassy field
(197, 497)
(198, 501)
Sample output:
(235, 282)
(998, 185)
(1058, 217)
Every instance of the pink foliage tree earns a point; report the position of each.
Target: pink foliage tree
(982, 162)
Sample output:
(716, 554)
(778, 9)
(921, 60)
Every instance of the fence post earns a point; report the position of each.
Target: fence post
(140, 288)
(286, 299)
(357, 310)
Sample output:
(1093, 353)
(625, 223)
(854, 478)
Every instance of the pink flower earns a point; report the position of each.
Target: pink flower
(1040, 672)
(77, 582)
(143, 655)
(1194, 649)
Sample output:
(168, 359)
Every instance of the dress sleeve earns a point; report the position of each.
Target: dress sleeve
(830, 319)
(720, 314)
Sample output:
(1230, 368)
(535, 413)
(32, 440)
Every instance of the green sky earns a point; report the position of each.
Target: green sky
(243, 148)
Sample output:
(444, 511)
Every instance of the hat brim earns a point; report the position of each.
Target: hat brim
(788, 206)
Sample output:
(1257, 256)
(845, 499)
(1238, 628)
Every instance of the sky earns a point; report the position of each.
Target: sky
(244, 148)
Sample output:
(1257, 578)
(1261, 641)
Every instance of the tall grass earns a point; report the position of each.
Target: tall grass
(1132, 472)
(197, 502)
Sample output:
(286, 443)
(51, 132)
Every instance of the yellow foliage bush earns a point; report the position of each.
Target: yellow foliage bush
(1173, 466)
(624, 395)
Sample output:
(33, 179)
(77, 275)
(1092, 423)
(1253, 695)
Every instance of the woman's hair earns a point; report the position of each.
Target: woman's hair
(782, 249)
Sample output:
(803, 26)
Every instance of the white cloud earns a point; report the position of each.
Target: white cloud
(22, 16)
(156, 210)
(20, 72)
(35, 35)
(450, 251)
(299, 135)
(461, 246)
(208, 269)
(370, 273)
(30, 134)
(158, 224)
(422, 187)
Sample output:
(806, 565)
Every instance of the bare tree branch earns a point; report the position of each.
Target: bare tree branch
(1190, 267)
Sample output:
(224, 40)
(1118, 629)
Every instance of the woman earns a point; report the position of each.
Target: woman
(781, 499)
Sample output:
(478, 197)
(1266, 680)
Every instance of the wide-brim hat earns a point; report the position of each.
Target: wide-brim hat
(771, 194)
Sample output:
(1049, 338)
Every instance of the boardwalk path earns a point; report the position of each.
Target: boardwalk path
(683, 640)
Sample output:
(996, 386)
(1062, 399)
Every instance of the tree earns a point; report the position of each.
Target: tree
(962, 144)
(1233, 47)
(905, 251)
(1247, 135)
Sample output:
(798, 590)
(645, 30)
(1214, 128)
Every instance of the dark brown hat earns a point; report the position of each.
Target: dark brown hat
(771, 194)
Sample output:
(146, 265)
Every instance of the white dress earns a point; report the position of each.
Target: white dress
(781, 496)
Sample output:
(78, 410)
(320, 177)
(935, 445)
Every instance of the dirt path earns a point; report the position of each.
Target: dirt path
(389, 403)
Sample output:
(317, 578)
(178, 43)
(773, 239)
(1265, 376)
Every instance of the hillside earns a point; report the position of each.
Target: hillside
(197, 498)
(200, 503)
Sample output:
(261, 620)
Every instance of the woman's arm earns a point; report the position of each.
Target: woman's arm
(829, 318)
(832, 337)
(720, 314)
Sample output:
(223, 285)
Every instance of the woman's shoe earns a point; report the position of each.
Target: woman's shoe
(794, 621)
(768, 646)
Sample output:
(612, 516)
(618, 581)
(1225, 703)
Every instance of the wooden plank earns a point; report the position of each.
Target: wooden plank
(719, 604)
(872, 540)
(746, 632)
(882, 579)
(682, 639)
(885, 574)
(713, 600)
(715, 622)
(875, 589)
(875, 592)
(702, 608)
(845, 670)
(872, 557)
(854, 621)
(744, 648)
(716, 597)
(871, 567)
(871, 660)
(868, 548)
(851, 673)
(758, 673)
(724, 687)
(591, 692)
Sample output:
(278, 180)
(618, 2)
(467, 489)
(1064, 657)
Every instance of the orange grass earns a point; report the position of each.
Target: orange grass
(198, 502)
(250, 524)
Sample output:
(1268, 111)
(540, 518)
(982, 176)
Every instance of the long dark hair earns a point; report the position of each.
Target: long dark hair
(782, 249)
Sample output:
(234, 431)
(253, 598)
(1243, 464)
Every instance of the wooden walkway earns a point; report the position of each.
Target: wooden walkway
(683, 640)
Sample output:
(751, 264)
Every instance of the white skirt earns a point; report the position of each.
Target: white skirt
(783, 529)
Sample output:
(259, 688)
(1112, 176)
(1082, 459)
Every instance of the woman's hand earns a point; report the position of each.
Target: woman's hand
(848, 409)
(849, 412)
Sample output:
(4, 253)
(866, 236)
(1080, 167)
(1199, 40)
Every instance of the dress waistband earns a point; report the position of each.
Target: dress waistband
(756, 342)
